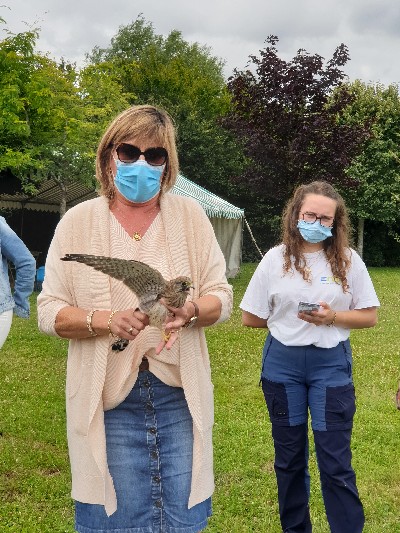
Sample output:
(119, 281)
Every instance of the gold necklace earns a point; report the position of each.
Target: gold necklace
(137, 235)
(308, 265)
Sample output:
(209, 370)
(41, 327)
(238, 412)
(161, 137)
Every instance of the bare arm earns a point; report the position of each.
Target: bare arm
(209, 312)
(71, 323)
(253, 321)
(352, 319)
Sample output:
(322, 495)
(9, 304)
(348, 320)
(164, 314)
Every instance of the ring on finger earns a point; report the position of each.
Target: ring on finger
(130, 330)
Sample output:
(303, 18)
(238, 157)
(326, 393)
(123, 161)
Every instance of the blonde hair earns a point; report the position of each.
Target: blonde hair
(141, 122)
(336, 248)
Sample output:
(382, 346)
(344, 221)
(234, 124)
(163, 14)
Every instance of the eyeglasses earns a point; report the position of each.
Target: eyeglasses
(128, 153)
(310, 218)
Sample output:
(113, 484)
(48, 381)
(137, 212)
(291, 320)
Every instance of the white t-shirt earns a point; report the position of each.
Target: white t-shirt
(275, 296)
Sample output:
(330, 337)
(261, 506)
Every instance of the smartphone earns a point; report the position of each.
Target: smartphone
(305, 307)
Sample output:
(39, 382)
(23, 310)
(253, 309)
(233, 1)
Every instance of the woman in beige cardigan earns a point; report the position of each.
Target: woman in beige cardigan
(139, 421)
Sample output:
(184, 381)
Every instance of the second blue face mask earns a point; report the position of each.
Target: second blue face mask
(315, 232)
(138, 182)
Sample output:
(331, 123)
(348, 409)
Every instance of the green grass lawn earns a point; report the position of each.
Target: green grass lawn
(34, 468)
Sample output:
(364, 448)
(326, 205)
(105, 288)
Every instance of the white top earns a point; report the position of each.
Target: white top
(275, 296)
(123, 367)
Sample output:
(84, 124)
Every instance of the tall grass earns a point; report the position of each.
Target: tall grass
(34, 468)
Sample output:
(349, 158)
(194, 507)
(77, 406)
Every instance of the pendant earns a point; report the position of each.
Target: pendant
(137, 236)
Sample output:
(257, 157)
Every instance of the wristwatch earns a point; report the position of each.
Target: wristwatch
(192, 321)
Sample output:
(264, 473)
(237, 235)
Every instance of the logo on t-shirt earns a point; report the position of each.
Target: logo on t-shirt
(329, 280)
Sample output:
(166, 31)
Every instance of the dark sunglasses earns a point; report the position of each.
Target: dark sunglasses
(128, 153)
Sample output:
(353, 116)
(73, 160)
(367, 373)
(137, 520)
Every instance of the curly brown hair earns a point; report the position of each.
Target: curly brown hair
(139, 121)
(336, 248)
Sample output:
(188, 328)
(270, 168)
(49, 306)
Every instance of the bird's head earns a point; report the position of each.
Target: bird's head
(177, 290)
(183, 284)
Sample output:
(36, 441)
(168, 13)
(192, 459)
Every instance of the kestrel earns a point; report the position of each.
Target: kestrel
(146, 282)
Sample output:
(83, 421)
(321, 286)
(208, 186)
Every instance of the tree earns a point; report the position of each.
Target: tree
(187, 81)
(290, 124)
(377, 168)
(287, 116)
(39, 110)
(16, 63)
(51, 117)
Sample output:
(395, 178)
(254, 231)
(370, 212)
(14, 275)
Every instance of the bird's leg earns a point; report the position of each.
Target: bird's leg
(119, 344)
(169, 317)
(166, 336)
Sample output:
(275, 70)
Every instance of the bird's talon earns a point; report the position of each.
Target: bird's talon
(119, 344)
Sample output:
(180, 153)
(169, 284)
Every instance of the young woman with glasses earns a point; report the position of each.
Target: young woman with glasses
(310, 292)
(140, 418)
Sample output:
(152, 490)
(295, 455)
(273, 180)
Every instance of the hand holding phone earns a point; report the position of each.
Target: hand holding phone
(306, 307)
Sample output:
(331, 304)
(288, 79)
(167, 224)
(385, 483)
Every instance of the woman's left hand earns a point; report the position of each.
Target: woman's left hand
(324, 316)
(176, 319)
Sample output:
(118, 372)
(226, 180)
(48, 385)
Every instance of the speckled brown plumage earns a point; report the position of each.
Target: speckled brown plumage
(146, 282)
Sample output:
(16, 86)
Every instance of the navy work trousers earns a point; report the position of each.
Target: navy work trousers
(301, 379)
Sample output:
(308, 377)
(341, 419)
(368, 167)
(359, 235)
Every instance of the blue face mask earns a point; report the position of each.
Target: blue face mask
(314, 232)
(138, 182)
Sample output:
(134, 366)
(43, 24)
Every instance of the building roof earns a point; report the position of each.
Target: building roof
(49, 196)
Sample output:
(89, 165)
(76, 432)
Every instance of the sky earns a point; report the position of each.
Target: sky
(232, 29)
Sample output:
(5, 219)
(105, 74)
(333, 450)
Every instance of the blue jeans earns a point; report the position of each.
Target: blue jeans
(5, 325)
(149, 451)
(295, 380)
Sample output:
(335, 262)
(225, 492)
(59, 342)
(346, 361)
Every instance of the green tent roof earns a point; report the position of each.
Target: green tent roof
(212, 204)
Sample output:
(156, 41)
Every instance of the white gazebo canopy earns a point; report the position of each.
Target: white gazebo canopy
(226, 219)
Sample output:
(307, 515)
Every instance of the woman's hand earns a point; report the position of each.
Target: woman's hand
(125, 324)
(177, 317)
(175, 321)
(351, 319)
(209, 311)
(324, 316)
(73, 323)
(168, 341)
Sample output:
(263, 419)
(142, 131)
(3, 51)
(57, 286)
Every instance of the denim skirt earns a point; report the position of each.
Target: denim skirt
(149, 451)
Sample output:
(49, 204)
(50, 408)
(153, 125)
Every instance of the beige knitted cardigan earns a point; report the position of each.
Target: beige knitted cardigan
(193, 251)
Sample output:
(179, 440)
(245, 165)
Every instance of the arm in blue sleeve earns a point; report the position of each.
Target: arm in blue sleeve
(14, 249)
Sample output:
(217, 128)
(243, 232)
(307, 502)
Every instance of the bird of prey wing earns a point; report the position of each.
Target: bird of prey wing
(146, 282)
